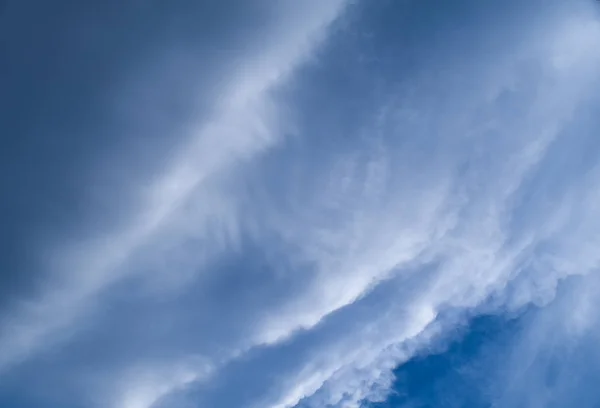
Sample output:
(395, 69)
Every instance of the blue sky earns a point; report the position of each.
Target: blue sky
(316, 204)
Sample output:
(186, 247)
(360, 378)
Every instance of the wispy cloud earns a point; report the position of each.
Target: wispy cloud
(262, 270)
(245, 121)
(472, 235)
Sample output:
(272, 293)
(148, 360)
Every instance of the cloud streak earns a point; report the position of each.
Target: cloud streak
(354, 194)
(244, 123)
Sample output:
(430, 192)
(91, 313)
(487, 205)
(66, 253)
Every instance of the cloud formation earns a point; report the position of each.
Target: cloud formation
(353, 194)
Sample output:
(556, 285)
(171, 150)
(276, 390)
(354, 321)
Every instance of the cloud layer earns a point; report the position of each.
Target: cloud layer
(348, 185)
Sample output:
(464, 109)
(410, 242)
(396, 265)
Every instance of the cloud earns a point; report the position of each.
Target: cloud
(145, 386)
(470, 234)
(244, 122)
(261, 270)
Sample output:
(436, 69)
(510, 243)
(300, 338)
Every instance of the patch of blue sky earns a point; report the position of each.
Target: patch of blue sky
(528, 359)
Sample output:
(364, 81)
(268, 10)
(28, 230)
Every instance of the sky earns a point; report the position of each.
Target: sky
(299, 204)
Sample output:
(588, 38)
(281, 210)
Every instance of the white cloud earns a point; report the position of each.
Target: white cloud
(469, 232)
(143, 387)
(374, 241)
(246, 120)
(352, 233)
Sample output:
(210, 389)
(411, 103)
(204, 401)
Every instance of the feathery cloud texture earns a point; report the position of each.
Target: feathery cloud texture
(298, 211)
